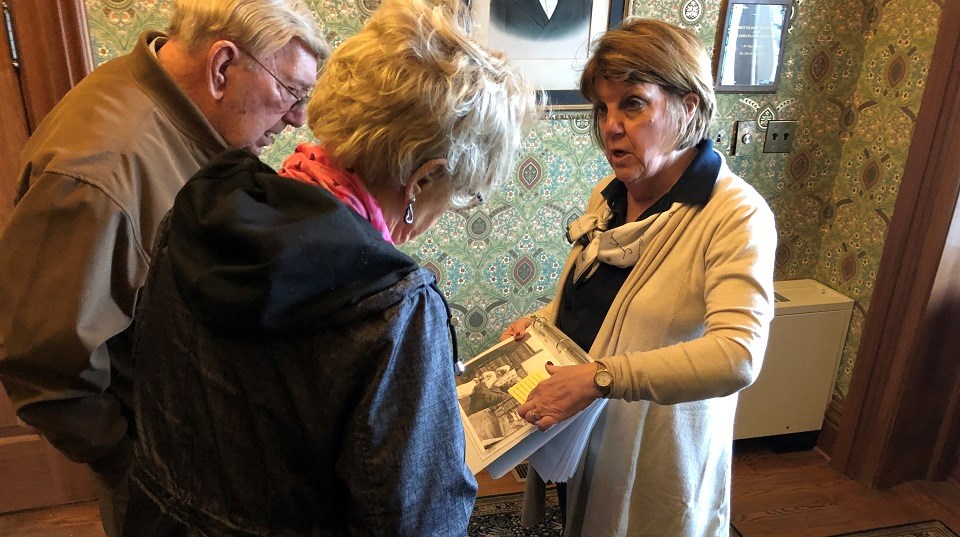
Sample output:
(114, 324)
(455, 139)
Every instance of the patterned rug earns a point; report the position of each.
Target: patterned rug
(499, 516)
(930, 528)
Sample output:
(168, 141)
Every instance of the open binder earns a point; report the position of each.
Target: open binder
(496, 382)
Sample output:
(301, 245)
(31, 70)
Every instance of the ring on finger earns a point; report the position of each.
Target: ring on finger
(536, 415)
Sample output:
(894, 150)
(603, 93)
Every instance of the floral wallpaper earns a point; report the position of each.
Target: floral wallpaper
(852, 78)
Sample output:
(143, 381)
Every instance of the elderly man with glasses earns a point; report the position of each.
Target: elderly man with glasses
(97, 177)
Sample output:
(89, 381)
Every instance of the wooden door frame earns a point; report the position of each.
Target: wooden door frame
(13, 117)
(901, 416)
(53, 53)
(54, 48)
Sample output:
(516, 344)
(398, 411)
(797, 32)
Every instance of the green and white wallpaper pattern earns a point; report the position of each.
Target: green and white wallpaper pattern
(853, 79)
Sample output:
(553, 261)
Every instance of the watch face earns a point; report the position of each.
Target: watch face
(603, 378)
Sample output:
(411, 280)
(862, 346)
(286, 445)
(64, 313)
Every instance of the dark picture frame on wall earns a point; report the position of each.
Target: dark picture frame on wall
(754, 36)
(552, 50)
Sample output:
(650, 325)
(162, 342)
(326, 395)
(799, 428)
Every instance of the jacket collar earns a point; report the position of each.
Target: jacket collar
(164, 91)
(694, 187)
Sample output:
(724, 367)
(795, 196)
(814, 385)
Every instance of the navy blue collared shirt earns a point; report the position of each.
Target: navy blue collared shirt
(584, 304)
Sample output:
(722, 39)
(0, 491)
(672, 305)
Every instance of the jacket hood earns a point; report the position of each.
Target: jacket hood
(250, 250)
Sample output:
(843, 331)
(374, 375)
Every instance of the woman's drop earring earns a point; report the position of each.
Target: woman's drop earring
(408, 214)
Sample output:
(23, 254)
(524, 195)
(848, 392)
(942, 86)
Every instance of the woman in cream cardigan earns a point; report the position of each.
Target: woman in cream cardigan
(669, 285)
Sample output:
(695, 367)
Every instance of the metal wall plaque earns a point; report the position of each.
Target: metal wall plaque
(751, 53)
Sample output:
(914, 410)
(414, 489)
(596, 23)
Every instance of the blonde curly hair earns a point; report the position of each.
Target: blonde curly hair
(412, 86)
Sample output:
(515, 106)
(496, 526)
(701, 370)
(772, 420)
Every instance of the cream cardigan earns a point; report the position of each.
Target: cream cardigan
(687, 330)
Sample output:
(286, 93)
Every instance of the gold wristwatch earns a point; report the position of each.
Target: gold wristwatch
(602, 379)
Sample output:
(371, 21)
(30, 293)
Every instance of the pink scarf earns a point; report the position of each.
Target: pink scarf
(311, 164)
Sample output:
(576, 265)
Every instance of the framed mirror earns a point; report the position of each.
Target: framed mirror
(751, 51)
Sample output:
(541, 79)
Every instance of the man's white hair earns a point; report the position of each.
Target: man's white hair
(261, 27)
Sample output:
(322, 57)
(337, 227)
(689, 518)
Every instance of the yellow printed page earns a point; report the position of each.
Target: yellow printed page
(521, 390)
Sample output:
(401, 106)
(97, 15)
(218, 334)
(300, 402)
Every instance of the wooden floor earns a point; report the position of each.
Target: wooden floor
(797, 494)
(774, 494)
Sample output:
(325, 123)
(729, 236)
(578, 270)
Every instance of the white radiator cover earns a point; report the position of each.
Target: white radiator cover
(800, 366)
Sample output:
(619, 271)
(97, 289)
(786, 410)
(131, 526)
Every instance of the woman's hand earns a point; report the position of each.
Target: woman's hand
(517, 329)
(569, 390)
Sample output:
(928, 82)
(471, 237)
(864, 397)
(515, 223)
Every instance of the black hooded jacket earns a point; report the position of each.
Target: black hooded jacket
(294, 371)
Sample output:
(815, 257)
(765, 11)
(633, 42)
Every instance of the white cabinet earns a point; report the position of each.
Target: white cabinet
(800, 367)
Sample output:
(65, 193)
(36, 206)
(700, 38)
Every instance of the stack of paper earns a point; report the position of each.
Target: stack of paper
(557, 460)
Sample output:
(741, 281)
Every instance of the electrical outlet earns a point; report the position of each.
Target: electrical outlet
(779, 137)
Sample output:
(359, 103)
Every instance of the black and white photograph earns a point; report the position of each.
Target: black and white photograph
(492, 387)
(484, 390)
(548, 39)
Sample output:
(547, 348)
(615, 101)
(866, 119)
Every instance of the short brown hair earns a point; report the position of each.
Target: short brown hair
(653, 51)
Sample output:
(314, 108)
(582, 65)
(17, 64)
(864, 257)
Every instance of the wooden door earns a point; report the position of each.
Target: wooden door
(34, 474)
(13, 117)
(901, 416)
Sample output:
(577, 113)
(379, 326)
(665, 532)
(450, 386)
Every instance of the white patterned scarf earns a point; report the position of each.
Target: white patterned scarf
(620, 246)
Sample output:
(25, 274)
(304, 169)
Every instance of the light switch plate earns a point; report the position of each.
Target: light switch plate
(779, 137)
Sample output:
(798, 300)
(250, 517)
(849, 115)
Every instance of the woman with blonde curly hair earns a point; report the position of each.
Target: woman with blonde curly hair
(413, 122)
(295, 370)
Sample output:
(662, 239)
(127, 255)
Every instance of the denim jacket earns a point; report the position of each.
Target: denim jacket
(294, 372)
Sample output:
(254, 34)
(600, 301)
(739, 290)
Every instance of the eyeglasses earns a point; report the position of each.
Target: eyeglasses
(300, 101)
